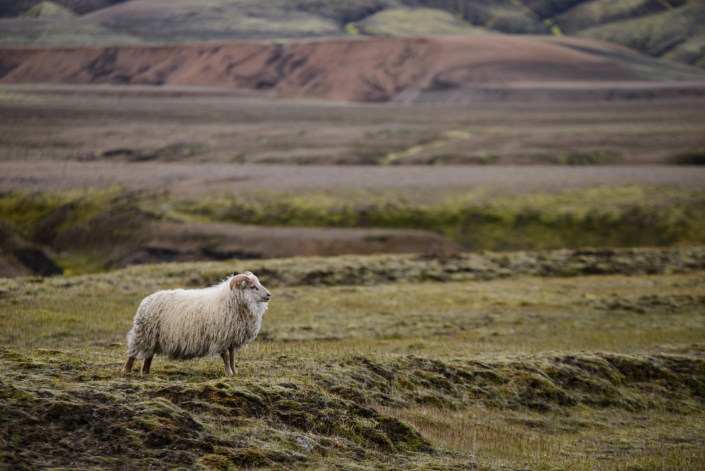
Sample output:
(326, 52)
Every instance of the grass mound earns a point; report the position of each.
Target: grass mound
(540, 382)
(383, 269)
(65, 408)
(105, 419)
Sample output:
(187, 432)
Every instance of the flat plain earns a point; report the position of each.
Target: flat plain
(109, 124)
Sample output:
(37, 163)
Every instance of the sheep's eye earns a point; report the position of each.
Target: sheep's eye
(253, 287)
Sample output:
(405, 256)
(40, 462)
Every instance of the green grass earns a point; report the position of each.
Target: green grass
(507, 368)
(412, 21)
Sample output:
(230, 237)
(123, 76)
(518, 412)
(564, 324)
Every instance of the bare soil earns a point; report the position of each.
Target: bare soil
(194, 242)
(361, 69)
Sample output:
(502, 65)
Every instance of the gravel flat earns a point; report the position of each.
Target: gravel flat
(201, 178)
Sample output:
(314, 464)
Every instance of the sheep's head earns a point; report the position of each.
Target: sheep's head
(248, 283)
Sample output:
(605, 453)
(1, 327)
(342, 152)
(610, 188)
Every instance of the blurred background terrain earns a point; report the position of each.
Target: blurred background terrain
(154, 131)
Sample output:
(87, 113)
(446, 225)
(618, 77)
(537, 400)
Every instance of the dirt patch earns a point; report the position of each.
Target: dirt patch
(194, 242)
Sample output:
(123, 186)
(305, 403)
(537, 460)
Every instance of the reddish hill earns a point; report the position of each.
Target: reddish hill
(360, 69)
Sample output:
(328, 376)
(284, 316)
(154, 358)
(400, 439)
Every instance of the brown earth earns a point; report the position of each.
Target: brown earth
(194, 242)
(357, 69)
(137, 243)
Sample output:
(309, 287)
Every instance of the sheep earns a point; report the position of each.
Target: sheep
(184, 324)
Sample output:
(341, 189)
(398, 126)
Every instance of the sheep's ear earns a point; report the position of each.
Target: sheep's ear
(239, 280)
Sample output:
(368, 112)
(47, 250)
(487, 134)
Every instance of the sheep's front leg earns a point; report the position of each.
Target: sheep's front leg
(145, 366)
(232, 360)
(128, 365)
(226, 359)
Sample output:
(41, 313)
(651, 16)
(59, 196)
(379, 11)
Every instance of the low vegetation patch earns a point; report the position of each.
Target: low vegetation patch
(316, 410)
(580, 360)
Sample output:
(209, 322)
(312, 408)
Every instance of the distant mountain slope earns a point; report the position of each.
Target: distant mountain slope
(677, 35)
(349, 69)
(14, 8)
(671, 29)
(413, 22)
(599, 12)
(48, 10)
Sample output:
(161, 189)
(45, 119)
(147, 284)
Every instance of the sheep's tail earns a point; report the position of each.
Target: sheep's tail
(130, 341)
(142, 339)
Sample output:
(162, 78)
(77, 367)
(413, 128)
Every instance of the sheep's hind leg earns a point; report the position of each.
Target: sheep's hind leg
(145, 366)
(226, 360)
(232, 361)
(128, 365)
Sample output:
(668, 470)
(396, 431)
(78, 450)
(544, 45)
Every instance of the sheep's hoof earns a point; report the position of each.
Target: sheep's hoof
(128, 365)
(146, 365)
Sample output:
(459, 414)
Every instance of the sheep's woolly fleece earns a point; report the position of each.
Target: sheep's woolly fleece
(184, 324)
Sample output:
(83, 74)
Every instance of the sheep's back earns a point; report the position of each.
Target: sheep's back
(189, 323)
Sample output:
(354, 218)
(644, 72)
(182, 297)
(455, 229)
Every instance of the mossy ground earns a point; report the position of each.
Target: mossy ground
(515, 372)
(601, 216)
(90, 230)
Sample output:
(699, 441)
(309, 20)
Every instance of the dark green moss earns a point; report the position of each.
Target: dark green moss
(218, 462)
(542, 383)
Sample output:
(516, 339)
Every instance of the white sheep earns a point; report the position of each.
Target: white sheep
(184, 324)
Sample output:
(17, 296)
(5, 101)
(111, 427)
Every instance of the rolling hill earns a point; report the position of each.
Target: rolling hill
(407, 69)
(669, 29)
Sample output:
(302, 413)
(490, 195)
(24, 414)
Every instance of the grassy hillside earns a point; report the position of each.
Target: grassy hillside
(412, 21)
(15, 8)
(677, 35)
(370, 371)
